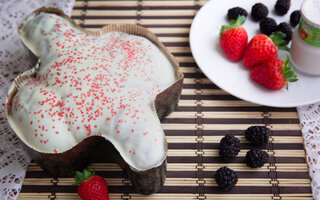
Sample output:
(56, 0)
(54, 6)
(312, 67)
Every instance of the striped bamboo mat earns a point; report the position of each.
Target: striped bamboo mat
(204, 115)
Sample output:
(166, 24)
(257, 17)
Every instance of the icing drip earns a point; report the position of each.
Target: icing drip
(88, 85)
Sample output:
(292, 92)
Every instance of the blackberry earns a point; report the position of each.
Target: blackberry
(295, 18)
(259, 11)
(286, 29)
(229, 148)
(233, 13)
(256, 158)
(268, 25)
(226, 178)
(257, 135)
(282, 6)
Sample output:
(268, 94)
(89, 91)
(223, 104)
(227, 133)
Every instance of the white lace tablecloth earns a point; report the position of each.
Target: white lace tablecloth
(14, 59)
(310, 125)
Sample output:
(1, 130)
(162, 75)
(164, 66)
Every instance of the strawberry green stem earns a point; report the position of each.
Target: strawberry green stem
(239, 21)
(233, 23)
(278, 39)
(289, 73)
(85, 175)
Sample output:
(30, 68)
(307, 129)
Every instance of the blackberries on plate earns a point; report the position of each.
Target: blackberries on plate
(259, 11)
(233, 13)
(257, 135)
(256, 158)
(286, 29)
(268, 26)
(295, 18)
(229, 148)
(226, 178)
(282, 6)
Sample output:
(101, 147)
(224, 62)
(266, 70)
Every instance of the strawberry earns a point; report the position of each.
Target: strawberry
(91, 186)
(274, 74)
(233, 39)
(303, 34)
(262, 48)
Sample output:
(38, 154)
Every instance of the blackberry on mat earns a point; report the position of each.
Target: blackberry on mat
(282, 6)
(233, 13)
(295, 18)
(259, 11)
(268, 26)
(226, 178)
(286, 29)
(229, 148)
(257, 135)
(256, 158)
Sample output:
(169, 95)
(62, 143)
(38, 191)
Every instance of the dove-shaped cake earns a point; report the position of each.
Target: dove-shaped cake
(94, 94)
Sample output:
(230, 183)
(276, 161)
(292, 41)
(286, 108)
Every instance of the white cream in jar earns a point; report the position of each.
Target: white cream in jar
(305, 48)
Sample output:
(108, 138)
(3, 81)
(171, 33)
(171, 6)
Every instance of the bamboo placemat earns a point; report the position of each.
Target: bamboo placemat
(204, 115)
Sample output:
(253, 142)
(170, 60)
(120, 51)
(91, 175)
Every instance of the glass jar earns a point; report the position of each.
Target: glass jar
(305, 48)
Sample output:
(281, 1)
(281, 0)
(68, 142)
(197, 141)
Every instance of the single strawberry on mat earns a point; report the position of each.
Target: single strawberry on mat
(274, 74)
(233, 39)
(91, 186)
(262, 48)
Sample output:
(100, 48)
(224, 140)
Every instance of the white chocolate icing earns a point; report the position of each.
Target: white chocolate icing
(88, 85)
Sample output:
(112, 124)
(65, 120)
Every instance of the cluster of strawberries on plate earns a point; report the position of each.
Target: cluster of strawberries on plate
(260, 55)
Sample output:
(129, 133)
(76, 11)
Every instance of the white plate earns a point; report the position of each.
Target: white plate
(233, 77)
